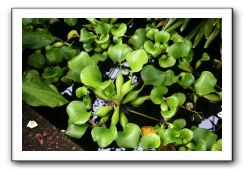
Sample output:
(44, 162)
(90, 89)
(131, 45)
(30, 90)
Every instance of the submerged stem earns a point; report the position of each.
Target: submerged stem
(140, 114)
(92, 123)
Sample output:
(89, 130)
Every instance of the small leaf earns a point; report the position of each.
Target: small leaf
(132, 96)
(139, 101)
(186, 135)
(80, 61)
(72, 34)
(77, 112)
(181, 98)
(170, 78)
(152, 49)
(212, 97)
(217, 146)
(185, 66)
(166, 62)
(71, 21)
(179, 123)
(68, 52)
(152, 76)
(173, 104)
(187, 80)
(136, 59)
(138, 39)
(102, 28)
(151, 33)
(50, 73)
(73, 75)
(205, 57)
(76, 131)
(85, 35)
(149, 141)
(103, 110)
(36, 60)
(126, 88)
(54, 55)
(130, 136)
(205, 83)
(162, 36)
(102, 38)
(119, 29)
(119, 82)
(179, 49)
(118, 52)
(123, 120)
(104, 136)
(81, 91)
(157, 93)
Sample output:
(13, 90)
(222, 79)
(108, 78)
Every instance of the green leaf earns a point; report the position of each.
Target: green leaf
(152, 76)
(76, 131)
(205, 57)
(77, 112)
(185, 66)
(72, 34)
(153, 49)
(104, 136)
(179, 123)
(170, 135)
(50, 73)
(205, 83)
(115, 116)
(173, 104)
(73, 75)
(87, 101)
(118, 52)
(102, 28)
(36, 92)
(36, 60)
(36, 40)
(179, 49)
(151, 33)
(157, 93)
(139, 101)
(217, 146)
(102, 38)
(126, 88)
(91, 76)
(162, 36)
(54, 55)
(181, 98)
(68, 52)
(132, 96)
(186, 80)
(186, 135)
(81, 91)
(130, 136)
(71, 21)
(80, 61)
(166, 62)
(150, 141)
(123, 120)
(85, 35)
(212, 97)
(170, 78)
(103, 110)
(136, 59)
(119, 82)
(119, 29)
(138, 39)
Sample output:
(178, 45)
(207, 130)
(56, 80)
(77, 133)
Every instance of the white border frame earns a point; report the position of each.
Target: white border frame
(19, 155)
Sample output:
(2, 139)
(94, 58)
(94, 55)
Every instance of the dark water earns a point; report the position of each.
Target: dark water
(209, 110)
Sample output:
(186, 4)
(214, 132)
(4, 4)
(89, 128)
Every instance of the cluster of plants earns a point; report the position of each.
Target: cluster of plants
(150, 63)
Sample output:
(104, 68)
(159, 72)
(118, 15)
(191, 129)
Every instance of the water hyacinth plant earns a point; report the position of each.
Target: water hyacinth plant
(153, 76)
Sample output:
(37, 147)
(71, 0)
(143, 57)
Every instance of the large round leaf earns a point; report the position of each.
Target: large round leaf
(91, 76)
(104, 136)
(153, 49)
(37, 60)
(179, 123)
(80, 61)
(157, 93)
(138, 39)
(77, 112)
(102, 28)
(205, 83)
(54, 55)
(118, 52)
(179, 49)
(76, 131)
(166, 62)
(187, 80)
(149, 141)
(119, 29)
(162, 36)
(152, 76)
(137, 59)
(130, 137)
(85, 35)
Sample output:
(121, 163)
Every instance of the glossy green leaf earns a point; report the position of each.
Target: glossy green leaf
(103, 110)
(157, 93)
(136, 59)
(139, 101)
(76, 131)
(170, 135)
(205, 57)
(149, 141)
(115, 116)
(107, 88)
(179, 123)
(36, 92)
(126, 88)
(152, 76)
(54, 55)
(91, 76)
(162, 36)
(102, 28)
(118, 52)
(77, 112)
(81, 91)
(51, 72)
(73, 75)
(104, 136)
(186, 135)
(87, 101)
(68, 52)
(186, 80)
(179, 49)
(153, 49)
(170, 78)
(36, 60)
(212, 97)
(151, 33)
(166, 62)
(71, 21)
(185, 66)
(104, 119)
(205, 83)
(80, 61)
(130, 136)
(123, 120)
(217, 146)
(119, 82)
(119, 29)
(102, 38)
(36, 40)
(132, 96)
(181, 98)
(85, 35)
(72, 34)
(138, 39)
(173, 104)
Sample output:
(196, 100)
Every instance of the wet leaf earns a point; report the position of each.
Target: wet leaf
(36, 60)
(179, 49)
(138, 39)
(181, 98)
(170, 78)
(132, 96)
(119, 82)
(212, 97)
(139, 101)
(149, 141)
(76, 131)
(205, 83)
(123, 120)
(152, 76)
(115, 116)
(136, 59)
(118, 52)
(185, 66)
(77, 112)
(157, 93)
(104, 136)
(130, 136)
